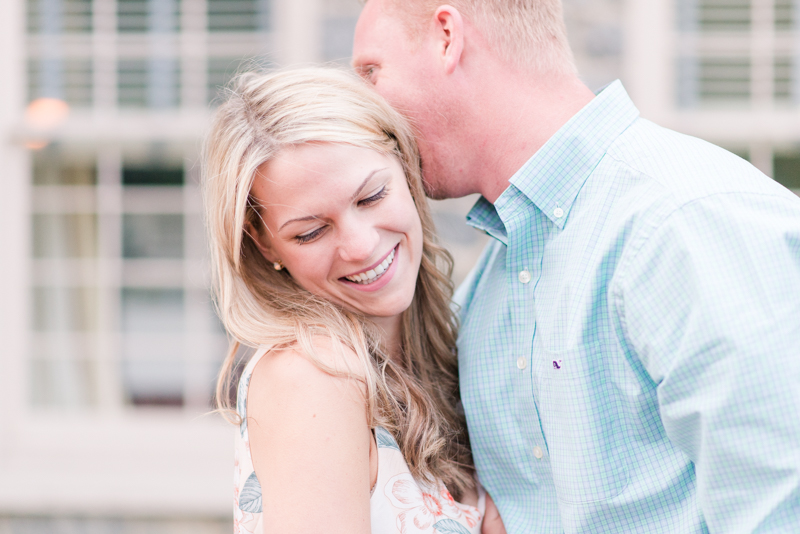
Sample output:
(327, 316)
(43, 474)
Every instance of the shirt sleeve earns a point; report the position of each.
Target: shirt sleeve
(710, 305)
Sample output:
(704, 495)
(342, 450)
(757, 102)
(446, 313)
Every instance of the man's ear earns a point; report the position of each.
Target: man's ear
(261, 241)
(449, 28)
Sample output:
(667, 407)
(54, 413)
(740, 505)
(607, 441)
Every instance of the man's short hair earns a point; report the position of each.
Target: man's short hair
(526, 33)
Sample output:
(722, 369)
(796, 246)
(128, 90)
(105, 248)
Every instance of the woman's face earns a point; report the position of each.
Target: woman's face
(343, 222)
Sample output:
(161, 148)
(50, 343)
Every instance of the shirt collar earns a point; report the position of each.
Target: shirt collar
(483, 216)
(552, 178)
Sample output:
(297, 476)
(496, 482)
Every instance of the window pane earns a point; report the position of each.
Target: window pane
(724, 79)
(63, 382)
(153, 367)
(150, 82)
(785, 14)
(220, 72)
(723, 15)
(64, 308)
(132, 80)
(152, 176)
(51, 167)
(57, 16)
(72, 235)
(714, 80)
(138, 16)
(152, 236)
(132, 16)
(783, 78)
(238, 15)
(786, 169)
(67, 79)
(152, 310)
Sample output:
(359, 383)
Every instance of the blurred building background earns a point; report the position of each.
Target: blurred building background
(109, 340)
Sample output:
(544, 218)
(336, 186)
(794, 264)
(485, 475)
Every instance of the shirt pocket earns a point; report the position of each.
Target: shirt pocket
(583, 427)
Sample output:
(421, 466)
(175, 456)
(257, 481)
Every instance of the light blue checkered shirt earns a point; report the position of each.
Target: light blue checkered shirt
(630, 341)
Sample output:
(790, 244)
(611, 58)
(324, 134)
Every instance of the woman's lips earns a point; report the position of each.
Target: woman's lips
(375, 281)
(370, 275)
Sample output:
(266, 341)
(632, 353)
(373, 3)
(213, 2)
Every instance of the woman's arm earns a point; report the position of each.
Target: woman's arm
(492, 523)
(310, 445)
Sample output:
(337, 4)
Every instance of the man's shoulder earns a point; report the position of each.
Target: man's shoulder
(683, 168)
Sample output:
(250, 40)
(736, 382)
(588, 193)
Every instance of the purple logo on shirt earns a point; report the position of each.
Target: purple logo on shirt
(557, 364)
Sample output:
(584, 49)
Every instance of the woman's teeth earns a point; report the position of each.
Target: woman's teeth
(370, 276)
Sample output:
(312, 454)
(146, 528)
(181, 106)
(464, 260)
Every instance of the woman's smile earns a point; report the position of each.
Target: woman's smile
(369, 277)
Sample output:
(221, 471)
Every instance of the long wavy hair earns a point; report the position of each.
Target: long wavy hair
(415, 398)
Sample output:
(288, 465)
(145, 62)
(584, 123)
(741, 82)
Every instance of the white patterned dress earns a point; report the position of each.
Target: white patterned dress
(398, 505)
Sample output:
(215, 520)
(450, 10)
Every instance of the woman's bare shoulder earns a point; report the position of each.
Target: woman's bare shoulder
(309, 438)
(293, 373)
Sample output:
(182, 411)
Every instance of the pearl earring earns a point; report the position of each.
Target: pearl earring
(278, 265)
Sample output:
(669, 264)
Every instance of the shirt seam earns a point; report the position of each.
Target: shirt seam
(628, 259)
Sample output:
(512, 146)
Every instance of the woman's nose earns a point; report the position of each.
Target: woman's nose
(358, 242)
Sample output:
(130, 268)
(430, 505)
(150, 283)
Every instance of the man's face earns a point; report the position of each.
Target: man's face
(409, 74)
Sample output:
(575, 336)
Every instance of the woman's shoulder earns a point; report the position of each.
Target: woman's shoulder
(307, 433)
(320, 356)
(309, 373)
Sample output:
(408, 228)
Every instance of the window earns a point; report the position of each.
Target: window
(239, 15)
(723, 15)
(64, 297)
(715, 79)
(784, 79)
(220, 71)
(119, 292)
(786, 16)
(152, 83)
(59, 16)
(153, 355)
(140, 16)
(738, 53)
(67, 79)
(786, 169)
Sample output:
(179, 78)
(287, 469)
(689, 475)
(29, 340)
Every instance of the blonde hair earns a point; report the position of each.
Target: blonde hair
(526, 33)
(414, 399)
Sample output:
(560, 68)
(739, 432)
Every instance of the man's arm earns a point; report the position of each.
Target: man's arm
(710, 304)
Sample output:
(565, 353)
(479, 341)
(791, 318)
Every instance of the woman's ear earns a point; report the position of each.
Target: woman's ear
(261, 241)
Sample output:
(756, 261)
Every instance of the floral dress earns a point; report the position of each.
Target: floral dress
(399, 504)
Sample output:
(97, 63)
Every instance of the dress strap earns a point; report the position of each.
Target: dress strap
(244, 383)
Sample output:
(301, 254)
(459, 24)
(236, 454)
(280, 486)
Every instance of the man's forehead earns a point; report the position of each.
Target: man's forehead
(366, 37)
(378, 27)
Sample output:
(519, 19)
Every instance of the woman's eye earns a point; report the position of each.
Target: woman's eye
(305, 238)
(374, 198)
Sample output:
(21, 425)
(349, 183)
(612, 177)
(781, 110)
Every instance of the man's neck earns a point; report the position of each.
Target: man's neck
(524, 116)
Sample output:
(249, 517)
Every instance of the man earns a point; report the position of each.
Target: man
(630, 343)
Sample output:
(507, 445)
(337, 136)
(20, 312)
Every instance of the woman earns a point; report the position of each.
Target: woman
(325, 259)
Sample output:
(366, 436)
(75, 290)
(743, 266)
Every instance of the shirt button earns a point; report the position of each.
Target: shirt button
(524, 276)
(558, 212)
(522, 363)
(537, 451)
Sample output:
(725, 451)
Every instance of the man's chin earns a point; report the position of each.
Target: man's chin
(434, 192)
(432, 189)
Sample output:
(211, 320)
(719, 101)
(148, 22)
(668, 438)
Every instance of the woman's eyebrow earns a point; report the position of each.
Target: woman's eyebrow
(355, 195)
(364, 183)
